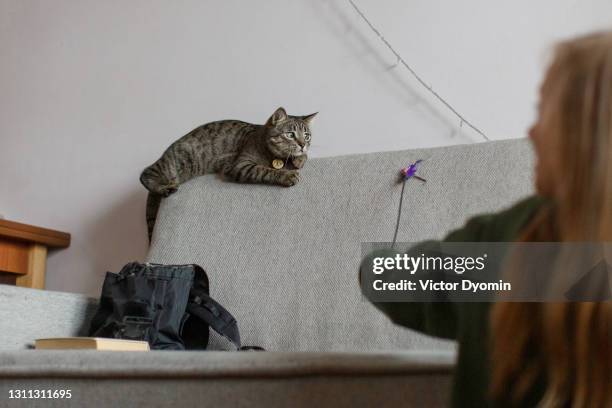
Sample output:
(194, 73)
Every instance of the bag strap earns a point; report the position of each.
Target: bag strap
(216, 316)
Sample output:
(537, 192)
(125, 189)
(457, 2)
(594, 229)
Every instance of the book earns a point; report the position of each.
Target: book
(90, 343)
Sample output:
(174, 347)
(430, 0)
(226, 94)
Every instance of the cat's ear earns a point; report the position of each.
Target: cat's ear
(277, 117)
(309, 118)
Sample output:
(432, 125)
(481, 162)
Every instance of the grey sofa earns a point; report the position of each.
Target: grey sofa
(284, 262)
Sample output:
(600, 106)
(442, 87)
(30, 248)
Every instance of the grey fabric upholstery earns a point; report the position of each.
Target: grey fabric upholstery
(221, 379)
(29, 314)
(284, 260)
(164, 364)
(424, 391)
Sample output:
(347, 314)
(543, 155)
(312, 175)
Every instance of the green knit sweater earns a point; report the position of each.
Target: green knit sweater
(468, 322)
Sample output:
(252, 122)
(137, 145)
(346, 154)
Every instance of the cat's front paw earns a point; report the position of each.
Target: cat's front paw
(289, 178)
(299, 161)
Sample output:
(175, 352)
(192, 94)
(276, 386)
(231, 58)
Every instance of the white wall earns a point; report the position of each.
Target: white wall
(93, 91)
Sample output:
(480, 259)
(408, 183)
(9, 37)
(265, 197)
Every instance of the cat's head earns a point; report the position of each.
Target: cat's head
(288, 136)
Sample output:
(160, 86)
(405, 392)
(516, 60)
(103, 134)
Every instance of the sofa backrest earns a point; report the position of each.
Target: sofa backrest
(284, 261)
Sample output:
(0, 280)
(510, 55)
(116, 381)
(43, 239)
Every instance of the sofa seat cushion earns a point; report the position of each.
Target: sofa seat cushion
(229, 379)
(209, 364)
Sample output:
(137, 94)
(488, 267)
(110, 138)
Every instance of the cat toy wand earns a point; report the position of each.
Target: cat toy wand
(406, 173)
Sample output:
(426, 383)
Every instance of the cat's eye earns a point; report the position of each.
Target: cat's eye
(307, 137)
(290, 135)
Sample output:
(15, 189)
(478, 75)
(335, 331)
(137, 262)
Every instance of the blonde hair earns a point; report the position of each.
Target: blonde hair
(569, 345)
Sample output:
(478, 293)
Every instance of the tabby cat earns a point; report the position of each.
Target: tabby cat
(240, 151)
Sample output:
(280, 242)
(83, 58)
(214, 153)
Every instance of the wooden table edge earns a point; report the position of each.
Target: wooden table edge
(29, 233)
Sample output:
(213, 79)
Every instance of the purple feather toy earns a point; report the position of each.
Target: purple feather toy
(410, 171)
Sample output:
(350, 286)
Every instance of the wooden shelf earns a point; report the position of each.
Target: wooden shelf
(23, 252)
(29, 233)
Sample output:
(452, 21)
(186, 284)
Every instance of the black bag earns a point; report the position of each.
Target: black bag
(167, 305)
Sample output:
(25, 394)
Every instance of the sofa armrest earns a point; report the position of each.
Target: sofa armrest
(28, 314)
